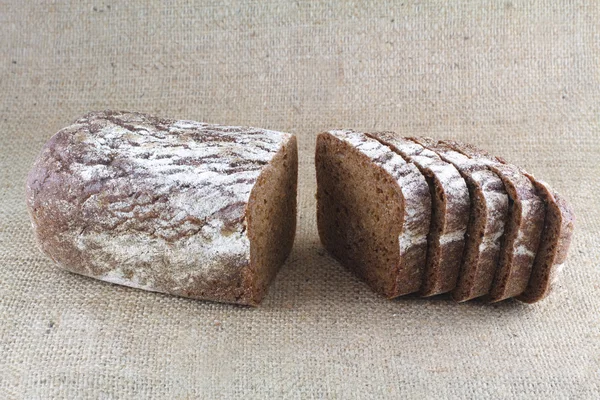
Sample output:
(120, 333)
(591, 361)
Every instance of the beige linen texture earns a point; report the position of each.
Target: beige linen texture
(520, 78)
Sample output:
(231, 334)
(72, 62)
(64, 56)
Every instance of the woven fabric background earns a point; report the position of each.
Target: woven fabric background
(520, 78)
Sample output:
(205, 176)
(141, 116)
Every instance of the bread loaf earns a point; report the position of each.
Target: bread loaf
(373, 211)
(209, 211)
(180, 207)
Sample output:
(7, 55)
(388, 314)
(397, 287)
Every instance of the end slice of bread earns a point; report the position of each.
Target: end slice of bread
(373, 211)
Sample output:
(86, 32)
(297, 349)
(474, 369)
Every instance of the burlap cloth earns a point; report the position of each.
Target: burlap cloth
(521, 79)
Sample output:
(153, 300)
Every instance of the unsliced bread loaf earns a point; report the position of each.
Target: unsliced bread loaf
(489, 208)
(451, 207)
(180, 207)
(523, 228)
(373, 211)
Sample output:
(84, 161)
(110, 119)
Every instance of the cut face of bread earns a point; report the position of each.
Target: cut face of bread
(489, 208)
(450, 212)
(523, 227)
(180, 207)
(271, 219)
(373, 211)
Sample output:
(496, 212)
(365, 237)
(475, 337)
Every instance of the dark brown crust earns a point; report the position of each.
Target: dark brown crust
(554, 246)
(450, 213)
(523, 230)
(487, 220)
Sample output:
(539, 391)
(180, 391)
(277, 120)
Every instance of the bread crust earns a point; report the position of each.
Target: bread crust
(554, 245)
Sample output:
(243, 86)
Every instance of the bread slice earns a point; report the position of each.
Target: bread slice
(523, 227)
(554, 245)
(489, 208)
(180, 207)
(373, 211)
(450, 212)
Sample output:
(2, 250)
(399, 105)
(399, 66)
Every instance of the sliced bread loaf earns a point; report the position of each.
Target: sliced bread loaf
(373, 211)
(450, 212)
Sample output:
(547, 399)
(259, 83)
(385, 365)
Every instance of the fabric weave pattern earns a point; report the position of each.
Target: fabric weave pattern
(518, 78)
